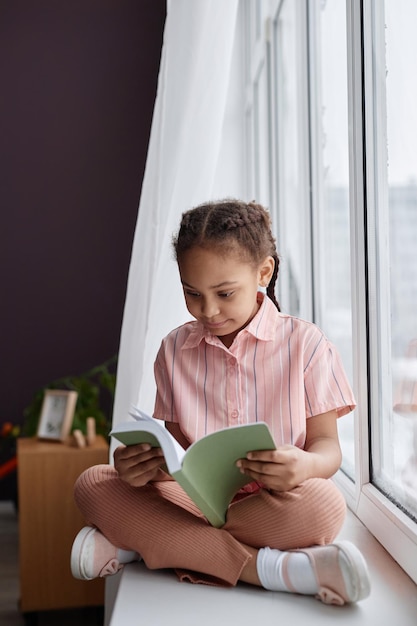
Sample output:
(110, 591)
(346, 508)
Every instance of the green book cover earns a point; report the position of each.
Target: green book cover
(207, 469)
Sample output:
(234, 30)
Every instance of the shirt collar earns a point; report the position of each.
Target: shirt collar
(262, 326)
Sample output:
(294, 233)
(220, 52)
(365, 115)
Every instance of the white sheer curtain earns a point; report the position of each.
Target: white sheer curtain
(195, 154)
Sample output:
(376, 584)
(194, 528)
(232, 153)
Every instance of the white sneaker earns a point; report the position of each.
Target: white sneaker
(340, 571)
(93, 556)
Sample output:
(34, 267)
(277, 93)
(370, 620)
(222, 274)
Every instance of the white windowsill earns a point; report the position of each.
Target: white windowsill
(158, 598)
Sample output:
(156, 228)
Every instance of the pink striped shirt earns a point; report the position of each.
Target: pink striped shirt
(279, 369)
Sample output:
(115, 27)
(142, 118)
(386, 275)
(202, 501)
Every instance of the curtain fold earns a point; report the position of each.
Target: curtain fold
(195, 138)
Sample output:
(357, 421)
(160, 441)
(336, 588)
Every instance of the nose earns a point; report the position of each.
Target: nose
(209, 308)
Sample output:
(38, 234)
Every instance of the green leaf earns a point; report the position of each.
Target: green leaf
(95, 388)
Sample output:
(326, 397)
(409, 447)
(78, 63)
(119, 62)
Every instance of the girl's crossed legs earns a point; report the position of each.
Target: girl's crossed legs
(266, 540)
(166, 529)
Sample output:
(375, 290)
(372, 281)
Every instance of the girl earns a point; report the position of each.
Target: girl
(241, 360)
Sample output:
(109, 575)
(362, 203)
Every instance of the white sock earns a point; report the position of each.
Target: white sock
(269, 567)
(127, 556)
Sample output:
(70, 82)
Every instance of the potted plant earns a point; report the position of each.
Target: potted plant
(95, 390)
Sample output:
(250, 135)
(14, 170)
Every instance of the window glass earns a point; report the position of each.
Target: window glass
(291, 144)
(394, 432)
(331, 215)
(262, 136)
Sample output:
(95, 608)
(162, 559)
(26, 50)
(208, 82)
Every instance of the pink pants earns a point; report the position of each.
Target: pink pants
(163, 525)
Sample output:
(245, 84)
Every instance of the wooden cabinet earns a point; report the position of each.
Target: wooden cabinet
(49, 521)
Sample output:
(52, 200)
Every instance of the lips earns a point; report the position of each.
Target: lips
(212, 326)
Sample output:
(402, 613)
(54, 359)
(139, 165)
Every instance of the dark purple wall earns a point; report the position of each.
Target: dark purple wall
(77, 88)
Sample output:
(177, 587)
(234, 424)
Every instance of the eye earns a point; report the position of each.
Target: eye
(191, 294)
(226, 294)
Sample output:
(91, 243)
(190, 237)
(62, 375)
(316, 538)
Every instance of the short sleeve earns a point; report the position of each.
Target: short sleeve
(326, 385)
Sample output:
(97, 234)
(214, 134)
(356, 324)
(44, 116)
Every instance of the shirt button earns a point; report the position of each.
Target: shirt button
(234, 414)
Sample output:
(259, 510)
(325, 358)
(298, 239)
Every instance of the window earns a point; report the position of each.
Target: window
(330, 184)
(330, 94)
(289, 100)
(257, 112)
(392, 218)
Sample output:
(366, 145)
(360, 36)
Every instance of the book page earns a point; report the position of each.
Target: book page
(154, 426)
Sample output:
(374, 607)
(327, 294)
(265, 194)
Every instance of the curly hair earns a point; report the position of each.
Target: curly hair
(230, 224)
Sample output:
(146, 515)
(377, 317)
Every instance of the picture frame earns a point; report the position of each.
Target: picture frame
(57, 414)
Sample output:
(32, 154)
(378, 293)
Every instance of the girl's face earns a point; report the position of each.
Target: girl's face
(221, 291)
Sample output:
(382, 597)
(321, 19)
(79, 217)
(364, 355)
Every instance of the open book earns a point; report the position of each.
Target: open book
(207, 469)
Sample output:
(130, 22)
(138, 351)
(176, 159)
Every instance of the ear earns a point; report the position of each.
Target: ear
(265, 271)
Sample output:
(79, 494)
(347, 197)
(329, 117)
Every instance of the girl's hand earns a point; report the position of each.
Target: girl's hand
(278, 470)
(138, 465)
(289, 466)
